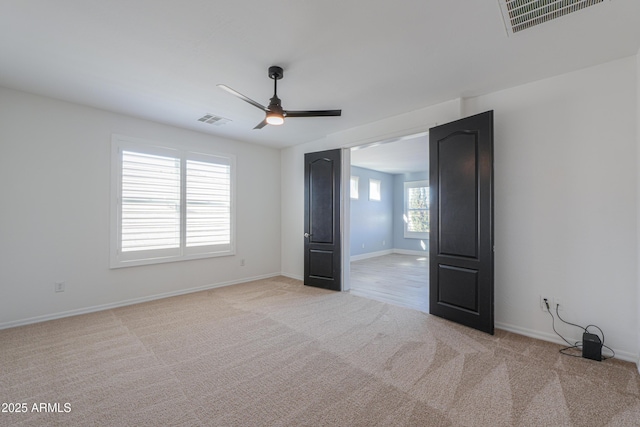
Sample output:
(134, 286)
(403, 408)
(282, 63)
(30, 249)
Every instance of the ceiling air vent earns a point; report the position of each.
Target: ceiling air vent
(213, 120)
(522, 14)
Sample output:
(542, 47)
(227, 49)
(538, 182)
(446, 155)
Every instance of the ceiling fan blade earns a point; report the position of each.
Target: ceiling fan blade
(244, 98)
(261, 124)
(317, 113)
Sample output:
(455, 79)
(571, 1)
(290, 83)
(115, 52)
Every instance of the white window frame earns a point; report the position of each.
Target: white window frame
(412, 234)
(354, 187)
(375, 190)
(118, 258)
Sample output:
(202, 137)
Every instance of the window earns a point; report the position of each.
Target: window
(374, 189)
(169, 204)
(353, 191)
(416, 209)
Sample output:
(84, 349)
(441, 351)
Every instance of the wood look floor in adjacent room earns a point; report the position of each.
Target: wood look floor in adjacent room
(397, 279)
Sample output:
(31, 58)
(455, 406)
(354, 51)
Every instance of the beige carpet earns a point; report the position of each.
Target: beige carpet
(276, 353)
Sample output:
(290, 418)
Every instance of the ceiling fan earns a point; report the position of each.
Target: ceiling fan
(275, 114)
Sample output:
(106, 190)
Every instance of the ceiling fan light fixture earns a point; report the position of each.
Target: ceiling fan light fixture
(274, 118)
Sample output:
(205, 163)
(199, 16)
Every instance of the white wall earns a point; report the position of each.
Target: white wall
(565, 202)
(54, 220)
(566, 185)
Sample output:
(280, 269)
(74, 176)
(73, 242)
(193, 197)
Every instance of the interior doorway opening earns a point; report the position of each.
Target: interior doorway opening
(389, 221)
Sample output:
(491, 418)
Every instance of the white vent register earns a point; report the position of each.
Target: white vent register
(522, 14)
(211, 119)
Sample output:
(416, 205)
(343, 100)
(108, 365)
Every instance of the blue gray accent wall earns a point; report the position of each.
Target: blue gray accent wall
(378, 226)
(372, 221)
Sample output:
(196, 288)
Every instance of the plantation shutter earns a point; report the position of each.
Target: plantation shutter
(150, 202)
(208, 198)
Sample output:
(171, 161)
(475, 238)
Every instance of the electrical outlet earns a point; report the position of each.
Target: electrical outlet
(242, 262)
(558, 302)
(543, 306)
(58, 287)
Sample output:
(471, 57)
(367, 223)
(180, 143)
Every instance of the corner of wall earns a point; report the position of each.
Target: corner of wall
(638, 196)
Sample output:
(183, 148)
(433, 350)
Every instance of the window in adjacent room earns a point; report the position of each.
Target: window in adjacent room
(353, 191)
(416, 209)
(374, 189)
(169, 204)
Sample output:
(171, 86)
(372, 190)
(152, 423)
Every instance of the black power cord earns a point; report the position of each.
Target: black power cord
(577, 344)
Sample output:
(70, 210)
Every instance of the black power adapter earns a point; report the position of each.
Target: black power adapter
(591, 343)
(591, 347)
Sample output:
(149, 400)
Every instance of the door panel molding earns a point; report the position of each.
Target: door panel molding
(461, 279)
(322, 222)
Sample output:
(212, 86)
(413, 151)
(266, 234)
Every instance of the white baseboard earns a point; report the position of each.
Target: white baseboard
(292, 276)
(410, 252)
(92, 309)
(371, 255)
(388, 252)
(544, 336)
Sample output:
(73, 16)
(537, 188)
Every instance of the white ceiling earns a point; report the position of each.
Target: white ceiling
(161, 60)
(401, 155)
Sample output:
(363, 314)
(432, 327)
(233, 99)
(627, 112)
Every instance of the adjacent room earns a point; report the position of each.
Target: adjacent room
(389, 221)
(167, 252)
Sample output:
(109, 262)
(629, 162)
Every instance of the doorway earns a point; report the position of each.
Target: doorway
(388, 233)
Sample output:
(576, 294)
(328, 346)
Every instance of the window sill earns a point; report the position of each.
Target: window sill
(120, 263)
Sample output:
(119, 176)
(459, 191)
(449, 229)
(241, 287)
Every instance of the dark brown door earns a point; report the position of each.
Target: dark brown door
(461, 223)
(322, 259)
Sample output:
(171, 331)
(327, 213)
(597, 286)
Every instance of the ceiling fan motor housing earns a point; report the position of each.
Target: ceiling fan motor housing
(275, 105)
